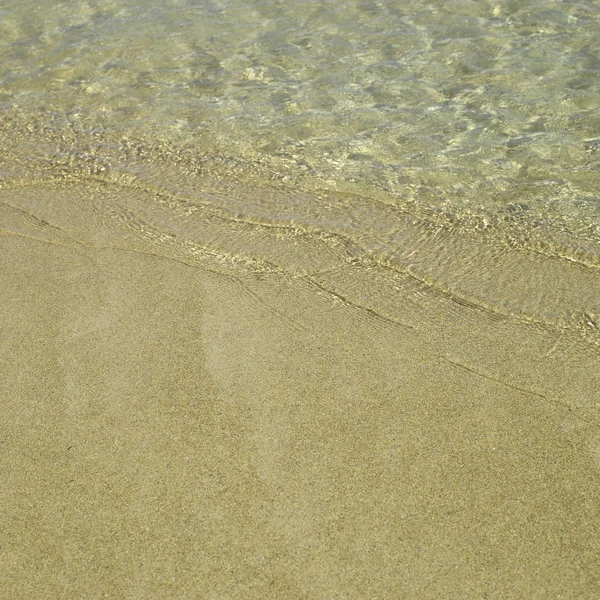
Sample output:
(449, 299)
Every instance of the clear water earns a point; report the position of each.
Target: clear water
(356, 119)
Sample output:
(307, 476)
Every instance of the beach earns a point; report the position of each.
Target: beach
(299, 300)
(172, 429)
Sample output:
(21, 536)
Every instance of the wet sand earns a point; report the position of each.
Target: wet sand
(171, 430)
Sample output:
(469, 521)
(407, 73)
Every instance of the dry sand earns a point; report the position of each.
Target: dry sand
(169, 431)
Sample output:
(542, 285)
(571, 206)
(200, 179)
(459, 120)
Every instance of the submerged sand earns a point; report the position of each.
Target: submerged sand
(174, 428)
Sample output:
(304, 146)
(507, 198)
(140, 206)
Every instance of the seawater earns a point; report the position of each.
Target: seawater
(453, 142)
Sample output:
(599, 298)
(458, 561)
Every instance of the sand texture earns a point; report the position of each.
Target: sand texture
(252, 417)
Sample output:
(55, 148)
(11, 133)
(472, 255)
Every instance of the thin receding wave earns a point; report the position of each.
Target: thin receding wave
(191, 204)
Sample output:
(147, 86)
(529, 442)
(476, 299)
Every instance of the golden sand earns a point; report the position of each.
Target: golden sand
(170, 431)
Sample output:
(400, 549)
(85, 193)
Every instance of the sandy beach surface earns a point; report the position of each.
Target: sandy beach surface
(173, 430)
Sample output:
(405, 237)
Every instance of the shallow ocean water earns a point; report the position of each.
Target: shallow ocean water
(483, 111)
(472, 122)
